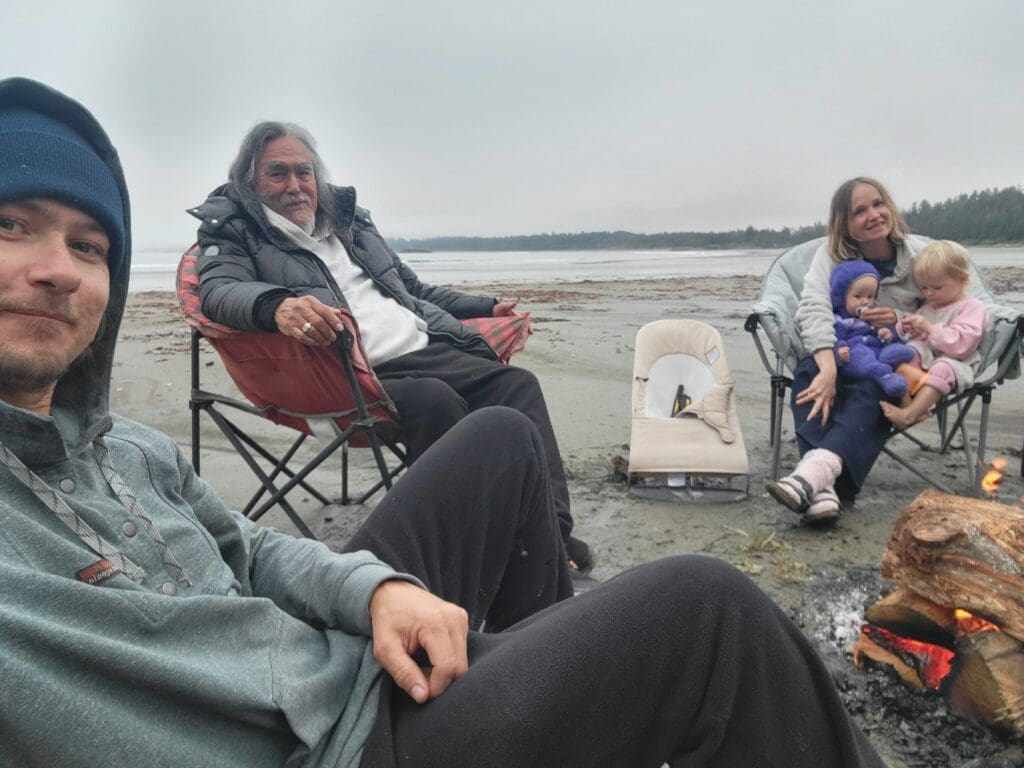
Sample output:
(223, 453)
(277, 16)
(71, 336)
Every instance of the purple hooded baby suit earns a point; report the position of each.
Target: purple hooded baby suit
(870, 357)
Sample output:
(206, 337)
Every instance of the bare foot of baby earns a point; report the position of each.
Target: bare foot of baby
(902, 418)
(898, 416)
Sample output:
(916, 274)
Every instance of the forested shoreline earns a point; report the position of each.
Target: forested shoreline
(988, 217)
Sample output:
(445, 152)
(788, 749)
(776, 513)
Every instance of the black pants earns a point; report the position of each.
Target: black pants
(433, 388)
(857, 429)
(682, 661)
(473, 520)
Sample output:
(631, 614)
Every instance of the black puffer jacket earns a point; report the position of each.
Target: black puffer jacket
(245, 261)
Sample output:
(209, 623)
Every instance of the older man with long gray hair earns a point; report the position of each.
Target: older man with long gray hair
(283, 251)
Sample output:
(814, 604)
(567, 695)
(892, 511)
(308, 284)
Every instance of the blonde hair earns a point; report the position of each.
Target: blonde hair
(840, 244)
(943, 257)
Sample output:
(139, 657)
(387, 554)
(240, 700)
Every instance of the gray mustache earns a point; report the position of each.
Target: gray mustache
(290, 198)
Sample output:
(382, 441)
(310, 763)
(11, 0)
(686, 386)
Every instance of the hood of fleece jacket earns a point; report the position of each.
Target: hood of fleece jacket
(844, 274)
(82, 395)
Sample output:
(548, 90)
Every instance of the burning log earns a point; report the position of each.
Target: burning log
(907, 613)
(963, 553)
(920, 665)
(989, 681)
(967, 557)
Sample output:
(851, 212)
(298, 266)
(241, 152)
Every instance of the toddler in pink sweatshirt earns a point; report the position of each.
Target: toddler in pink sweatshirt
(945, 332)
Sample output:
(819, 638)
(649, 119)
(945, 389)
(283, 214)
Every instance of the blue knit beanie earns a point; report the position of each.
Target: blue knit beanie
(844, 274)
(43, 157)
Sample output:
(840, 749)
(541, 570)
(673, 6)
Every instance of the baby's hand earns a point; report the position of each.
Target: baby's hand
(918, 323)
(885, 334)
(843, 353)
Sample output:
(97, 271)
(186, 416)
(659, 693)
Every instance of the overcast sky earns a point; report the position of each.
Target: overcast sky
(480, 118)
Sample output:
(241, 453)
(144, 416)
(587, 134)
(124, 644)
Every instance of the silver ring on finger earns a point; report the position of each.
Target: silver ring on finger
(306, 327)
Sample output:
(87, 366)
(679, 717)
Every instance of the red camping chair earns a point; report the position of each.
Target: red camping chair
(337, 384)
(291, 384)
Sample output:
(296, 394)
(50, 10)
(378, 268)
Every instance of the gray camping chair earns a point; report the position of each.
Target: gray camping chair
(773, 319)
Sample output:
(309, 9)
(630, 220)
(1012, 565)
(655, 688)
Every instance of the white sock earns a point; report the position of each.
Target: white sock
(819, 468)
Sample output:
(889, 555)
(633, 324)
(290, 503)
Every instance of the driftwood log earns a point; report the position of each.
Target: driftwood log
(962, 553)
(989, 679)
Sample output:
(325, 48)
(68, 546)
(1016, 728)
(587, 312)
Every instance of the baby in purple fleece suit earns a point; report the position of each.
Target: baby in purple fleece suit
(864, 352)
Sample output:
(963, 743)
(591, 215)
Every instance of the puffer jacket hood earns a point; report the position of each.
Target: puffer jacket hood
(83, 393)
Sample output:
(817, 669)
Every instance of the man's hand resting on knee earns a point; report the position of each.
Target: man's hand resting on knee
(405, 619)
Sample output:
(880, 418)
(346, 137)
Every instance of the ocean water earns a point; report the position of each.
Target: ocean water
(154, 270)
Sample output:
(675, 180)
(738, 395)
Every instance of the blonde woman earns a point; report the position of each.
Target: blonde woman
(840, 432)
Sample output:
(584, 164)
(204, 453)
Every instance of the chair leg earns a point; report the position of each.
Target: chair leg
(979, 467)
(277, 496)
(344, 474)
(900, 460)
(391, 474)
(279, 467)
(775, 436)
(192, 404)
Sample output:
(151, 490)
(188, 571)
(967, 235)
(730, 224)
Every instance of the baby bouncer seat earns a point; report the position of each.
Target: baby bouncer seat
(685, 443)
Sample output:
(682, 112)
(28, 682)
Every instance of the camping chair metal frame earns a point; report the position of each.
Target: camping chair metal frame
(378, 429)
(1008, 359)
(337, 399)
(248, 448)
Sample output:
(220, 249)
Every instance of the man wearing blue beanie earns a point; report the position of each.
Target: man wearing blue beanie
(142, 623)
(42, 157)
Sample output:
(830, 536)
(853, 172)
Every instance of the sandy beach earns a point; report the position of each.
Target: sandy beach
(582, 352)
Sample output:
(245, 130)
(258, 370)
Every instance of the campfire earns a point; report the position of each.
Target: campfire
(955, 622)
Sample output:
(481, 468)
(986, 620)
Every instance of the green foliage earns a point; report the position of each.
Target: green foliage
(987, 217)
(992, 216)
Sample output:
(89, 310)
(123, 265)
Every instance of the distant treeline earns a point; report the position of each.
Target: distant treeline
(992, 216)
(987, 217)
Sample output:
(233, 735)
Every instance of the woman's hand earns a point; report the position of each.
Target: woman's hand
(822, 389)
(878, 316)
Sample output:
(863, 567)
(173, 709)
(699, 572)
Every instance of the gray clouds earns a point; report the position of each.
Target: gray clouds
(458, 117)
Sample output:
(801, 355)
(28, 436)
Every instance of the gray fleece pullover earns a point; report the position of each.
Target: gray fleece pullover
(262, 660)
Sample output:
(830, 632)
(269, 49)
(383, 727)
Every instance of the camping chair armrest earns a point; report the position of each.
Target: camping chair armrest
(751, 326)
(1008, 356)
(1011, 353)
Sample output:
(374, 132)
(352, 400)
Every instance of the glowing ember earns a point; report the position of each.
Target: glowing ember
(932, 662)
(967, 622)
(994, 477)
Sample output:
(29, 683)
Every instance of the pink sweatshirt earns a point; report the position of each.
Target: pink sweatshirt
(957, 329)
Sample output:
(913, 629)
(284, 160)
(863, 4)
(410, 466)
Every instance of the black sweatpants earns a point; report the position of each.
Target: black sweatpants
(433, 388)
(682, 661)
